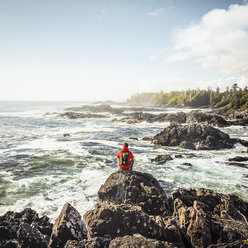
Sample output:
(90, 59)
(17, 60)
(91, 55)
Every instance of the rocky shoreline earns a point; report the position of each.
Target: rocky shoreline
(134, 211)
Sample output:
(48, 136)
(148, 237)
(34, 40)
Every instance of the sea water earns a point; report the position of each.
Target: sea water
(42, 169)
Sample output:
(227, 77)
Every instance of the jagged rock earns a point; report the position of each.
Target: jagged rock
(10, 223)
(194, 136)
(97, 242)
(74, 115)
(109, 220)
(238, 159)
(136, 188)
(133, 138)
(162, 159)
(68, 226)
(208, 218)
(209, 118)
(138, 240)
(30, 237)
(66, 135)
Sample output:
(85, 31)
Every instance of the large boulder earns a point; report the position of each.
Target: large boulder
(138, 240)
(208, 118)
(194, 136)
(136, 188)
(109, 220)
(68, 226)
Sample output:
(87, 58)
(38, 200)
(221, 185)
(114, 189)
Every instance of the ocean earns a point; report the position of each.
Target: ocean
(42, 169)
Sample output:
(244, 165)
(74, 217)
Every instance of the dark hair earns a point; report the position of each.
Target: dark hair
(125, 144)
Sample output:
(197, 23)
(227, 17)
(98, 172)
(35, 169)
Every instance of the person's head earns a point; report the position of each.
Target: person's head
(125, 145)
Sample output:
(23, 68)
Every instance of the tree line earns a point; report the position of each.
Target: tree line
(232, 98)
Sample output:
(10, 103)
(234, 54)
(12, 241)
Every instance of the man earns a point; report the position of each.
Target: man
(125, 158)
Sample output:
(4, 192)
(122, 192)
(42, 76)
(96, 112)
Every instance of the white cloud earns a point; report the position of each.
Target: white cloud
(156, 12)
(153, 58)
(219, 42)
(178, 84)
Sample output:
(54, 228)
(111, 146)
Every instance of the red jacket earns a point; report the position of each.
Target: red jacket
(125, 149)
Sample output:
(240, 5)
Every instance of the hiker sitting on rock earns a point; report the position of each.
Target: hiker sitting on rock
(125, 158)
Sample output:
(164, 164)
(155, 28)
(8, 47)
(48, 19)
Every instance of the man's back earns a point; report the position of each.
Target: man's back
(125, 157)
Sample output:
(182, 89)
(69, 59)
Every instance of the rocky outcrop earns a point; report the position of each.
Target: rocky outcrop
(200, 218)
(74, 115)
(107, 108)
(194, 136)
(145, 218)
(135, 188)
(207, 118)
(238, 159)
(208, 218)
(138, 240)
(137, 117)
(67, 226)
(162, 159)
(13, 223)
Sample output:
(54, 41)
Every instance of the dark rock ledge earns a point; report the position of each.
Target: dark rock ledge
(133, 211)
(196, 137)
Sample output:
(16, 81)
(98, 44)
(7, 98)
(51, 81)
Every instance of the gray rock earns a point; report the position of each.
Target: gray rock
(194, 136)
(162, 159)
(109, 220)
(68, 226)
(136, 188)
(208, 118)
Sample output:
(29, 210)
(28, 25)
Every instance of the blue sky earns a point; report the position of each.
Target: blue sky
(99, 50)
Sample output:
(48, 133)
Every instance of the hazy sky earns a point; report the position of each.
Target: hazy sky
(103, 49)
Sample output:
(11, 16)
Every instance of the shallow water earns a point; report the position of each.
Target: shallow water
(41, 169)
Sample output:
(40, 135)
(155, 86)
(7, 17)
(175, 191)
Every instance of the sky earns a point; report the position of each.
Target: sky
(86, 50)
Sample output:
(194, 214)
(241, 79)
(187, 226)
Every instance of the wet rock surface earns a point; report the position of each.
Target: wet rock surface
(162, 159)
(67, 226)
(194, 136)
(238, 159)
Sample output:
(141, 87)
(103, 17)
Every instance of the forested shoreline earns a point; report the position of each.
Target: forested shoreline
(232, 98)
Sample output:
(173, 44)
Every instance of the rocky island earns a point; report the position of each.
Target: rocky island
(134, 211)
